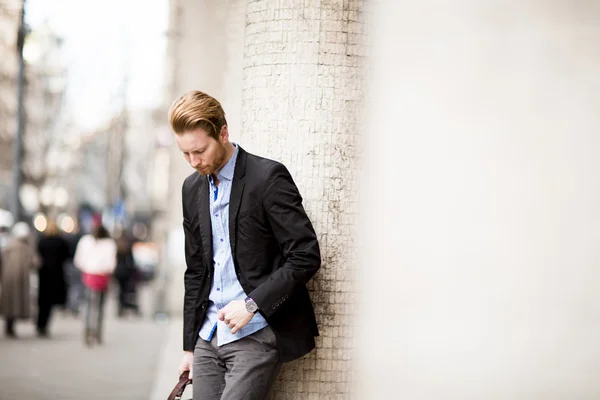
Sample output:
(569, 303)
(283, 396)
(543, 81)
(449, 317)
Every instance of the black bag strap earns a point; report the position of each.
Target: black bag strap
(178, 390)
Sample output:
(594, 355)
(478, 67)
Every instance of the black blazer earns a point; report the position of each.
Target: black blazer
(274, 247)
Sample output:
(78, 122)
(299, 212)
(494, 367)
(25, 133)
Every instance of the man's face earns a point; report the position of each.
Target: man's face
(205, 154)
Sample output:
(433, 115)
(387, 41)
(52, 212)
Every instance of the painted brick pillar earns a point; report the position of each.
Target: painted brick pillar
(301, 105)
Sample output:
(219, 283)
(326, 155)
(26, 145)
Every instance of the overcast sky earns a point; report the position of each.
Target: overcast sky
(104, 41)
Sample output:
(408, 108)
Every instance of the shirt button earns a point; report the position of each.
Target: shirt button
(218, 289)
(216, 215)
(221, 240)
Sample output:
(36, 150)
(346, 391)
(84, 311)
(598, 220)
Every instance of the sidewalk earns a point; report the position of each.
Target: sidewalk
(168, 362)
(61, 367)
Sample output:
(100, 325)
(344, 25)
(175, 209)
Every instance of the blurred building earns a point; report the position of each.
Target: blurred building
(290, 78)
(10, 12)
(114, 171)
(139, 167)
(43, 155)
(96, 180)
(47, 153)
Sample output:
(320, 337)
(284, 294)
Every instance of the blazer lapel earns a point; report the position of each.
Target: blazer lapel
(237, 189)
(204, 221)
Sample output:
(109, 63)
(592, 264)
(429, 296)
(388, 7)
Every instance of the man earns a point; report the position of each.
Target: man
(250, 250)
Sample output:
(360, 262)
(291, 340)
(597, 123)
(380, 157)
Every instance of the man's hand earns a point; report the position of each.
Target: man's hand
(186, 363)
(235, 315)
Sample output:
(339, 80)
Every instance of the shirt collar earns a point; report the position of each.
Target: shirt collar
(228, 169)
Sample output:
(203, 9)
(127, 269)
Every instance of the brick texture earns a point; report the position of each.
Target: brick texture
(301, 105)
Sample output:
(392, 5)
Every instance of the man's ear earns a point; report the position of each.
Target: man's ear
(224, 134)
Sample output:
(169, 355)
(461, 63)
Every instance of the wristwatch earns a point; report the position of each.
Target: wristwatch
(251, 305)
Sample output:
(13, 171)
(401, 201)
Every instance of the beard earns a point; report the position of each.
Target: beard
(216, 164)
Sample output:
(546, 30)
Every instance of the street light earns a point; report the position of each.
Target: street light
(67, 224)
(40, 222)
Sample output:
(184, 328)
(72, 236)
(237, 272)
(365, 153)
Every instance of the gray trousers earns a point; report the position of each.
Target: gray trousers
(94, 313)
(244, 369)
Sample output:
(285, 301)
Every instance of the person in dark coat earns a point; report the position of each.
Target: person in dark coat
(126, 274)
(18, 260)
(54, 251)
(76, 288)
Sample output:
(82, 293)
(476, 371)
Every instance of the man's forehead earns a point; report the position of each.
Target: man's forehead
(192, 140)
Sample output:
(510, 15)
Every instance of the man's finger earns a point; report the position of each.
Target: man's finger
(221, 315)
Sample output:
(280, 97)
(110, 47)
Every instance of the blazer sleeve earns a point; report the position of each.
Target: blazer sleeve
(192, 279)
(296, 238)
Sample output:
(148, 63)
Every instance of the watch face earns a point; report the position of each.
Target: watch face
(251, 306)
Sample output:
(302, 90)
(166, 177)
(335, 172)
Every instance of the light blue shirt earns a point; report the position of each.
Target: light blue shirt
(225, 286)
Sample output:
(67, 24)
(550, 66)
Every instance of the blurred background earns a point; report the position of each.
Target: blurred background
(84, 92)
(83, 137)
(447, 153)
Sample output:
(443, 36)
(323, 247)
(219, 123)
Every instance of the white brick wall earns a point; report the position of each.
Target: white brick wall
(302, 100)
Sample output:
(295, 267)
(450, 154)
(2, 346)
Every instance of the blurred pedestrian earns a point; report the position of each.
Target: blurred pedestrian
(76, 289)
(126, 274)
(6, 221)
(96, 257)
(18, 260)
(4, 236)
(54, 251)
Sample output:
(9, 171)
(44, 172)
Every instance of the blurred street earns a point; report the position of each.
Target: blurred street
(62, 367)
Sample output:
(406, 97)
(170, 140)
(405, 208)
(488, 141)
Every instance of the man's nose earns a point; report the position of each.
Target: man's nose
(194, 161)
